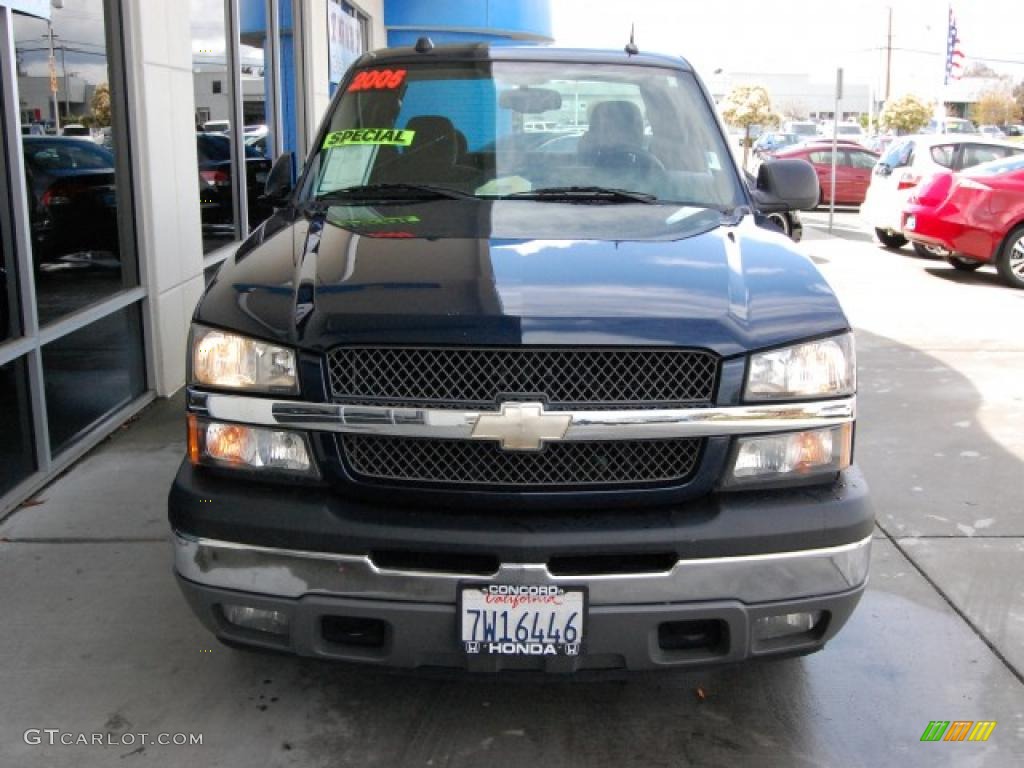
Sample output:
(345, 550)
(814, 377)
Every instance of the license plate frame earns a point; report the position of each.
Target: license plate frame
(531, 645)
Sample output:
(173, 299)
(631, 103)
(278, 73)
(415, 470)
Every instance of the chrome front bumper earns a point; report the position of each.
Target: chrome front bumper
(452, 424)
(749, 579)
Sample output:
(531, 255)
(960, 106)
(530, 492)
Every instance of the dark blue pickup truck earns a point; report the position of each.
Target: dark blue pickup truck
(517, 378)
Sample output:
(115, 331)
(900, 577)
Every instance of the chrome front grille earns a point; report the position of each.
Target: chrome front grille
(567, 465)
(577, 377)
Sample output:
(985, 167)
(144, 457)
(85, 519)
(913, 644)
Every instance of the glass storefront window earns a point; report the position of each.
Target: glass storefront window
(92, 372)
(10, 324)
(347, 38)
(17, 457)
(211, 87)
(78, 253)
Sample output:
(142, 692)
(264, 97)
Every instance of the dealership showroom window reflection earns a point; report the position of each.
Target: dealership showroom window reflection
(69, 148)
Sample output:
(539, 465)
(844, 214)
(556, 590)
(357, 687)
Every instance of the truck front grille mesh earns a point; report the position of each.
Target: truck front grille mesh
(578, 377)
(483, 463)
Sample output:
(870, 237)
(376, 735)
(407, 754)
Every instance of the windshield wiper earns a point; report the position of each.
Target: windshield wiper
(583, 194)
(395, 191)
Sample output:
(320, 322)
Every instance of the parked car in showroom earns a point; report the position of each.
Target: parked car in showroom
(215, 187)
(526, 410)
(907, 163)
(976, 217)
(853, 168)
(73, 205)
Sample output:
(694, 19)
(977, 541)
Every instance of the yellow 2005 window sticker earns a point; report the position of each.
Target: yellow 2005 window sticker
(395, 136)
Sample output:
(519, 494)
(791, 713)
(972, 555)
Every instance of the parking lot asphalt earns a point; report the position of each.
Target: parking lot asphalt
(95, 637)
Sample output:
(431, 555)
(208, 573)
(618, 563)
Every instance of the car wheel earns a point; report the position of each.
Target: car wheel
(930, 251)
(959, 262)
(1011, 259)
(890, 240)
(781, 221)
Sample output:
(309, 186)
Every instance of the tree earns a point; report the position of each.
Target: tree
(995, 107)
(980, 69)
(1018, 96)
(907, 114)
(100, 105)
(748, 105)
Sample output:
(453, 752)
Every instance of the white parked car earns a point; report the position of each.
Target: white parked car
(912, 159)
(217, 126)
(806, 129)
(950, 125)
(848, 131)
(991, 131)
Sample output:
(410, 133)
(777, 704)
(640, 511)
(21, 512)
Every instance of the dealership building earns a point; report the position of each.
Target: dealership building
(129, 128)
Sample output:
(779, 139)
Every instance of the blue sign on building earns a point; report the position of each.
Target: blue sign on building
(490, 21)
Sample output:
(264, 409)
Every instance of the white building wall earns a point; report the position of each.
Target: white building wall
(158, 42)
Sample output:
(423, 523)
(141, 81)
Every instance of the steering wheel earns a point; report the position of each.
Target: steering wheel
(622, 156)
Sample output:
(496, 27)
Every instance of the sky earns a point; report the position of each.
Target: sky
(804, 36)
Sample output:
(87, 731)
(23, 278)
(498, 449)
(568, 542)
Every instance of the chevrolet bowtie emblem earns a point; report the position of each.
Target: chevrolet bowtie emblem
(521, 426)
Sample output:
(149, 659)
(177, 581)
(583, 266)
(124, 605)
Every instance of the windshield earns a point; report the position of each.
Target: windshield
(495, 129)
(849, 130)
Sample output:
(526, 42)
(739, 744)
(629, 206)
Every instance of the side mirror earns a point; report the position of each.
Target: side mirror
(794, 182)
(279, 185)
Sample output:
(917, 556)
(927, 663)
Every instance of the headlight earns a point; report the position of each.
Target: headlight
(223, 359)
(790, 457)
(823, 368)
(237, 446)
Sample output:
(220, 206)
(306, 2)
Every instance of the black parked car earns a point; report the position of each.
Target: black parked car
(73, 206)
(214, 152)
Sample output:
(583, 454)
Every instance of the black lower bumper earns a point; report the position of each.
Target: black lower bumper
(618, 637)
(325, 519)
(374, 583)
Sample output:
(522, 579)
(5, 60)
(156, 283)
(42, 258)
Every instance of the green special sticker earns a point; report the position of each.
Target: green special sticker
(352, 136)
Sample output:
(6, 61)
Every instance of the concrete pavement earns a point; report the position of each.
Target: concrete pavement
(96, 638)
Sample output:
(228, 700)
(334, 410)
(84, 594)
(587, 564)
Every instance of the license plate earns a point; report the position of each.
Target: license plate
(522, 619)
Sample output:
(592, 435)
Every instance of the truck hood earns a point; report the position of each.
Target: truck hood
(519, 272)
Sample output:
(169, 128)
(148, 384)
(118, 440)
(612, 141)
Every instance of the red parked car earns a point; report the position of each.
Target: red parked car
(853, 169)
(977, 215)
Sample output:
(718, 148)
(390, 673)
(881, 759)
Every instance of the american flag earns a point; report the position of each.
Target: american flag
(954, 56)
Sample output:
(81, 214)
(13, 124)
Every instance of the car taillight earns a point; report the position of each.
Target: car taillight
(60, 193)
(908, 181)
(216, 178)
(934, 190)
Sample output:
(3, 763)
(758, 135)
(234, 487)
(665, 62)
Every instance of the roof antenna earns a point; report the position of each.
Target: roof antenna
(631, 48)
(424, 44)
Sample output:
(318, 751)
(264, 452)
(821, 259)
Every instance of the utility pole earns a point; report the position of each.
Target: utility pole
(53, 82)
(835, 147)
(67, 97)
(888, 56)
